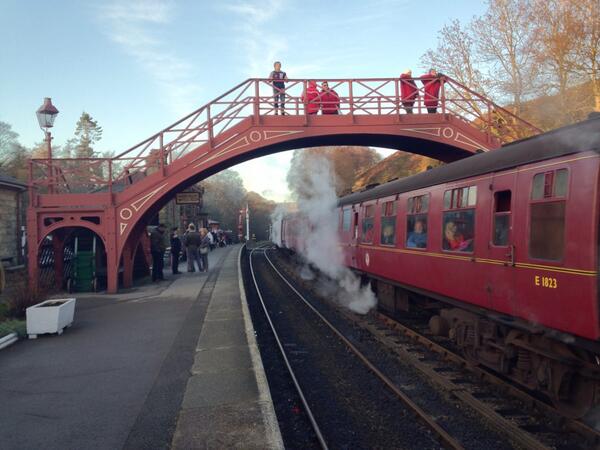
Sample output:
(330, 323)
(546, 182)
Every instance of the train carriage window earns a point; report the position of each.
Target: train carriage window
(346, 219)
(458, 226)
(502, 207)
(560, 183)
(459, 230)
(550, 184)
(368, 224)
(416, 221)
(388, 223)
(547, 230)
(547, 215)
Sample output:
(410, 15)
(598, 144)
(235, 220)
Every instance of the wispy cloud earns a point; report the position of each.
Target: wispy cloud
(134, 26)
(261, 46)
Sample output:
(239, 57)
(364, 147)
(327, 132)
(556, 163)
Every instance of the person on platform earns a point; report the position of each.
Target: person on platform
(278, 78)
(175, 250)
(157, 249)
(432, 83)
(310, 97)
(192, 243)
(418, 237)
(330, 100)
(408, 91)
(204, 246)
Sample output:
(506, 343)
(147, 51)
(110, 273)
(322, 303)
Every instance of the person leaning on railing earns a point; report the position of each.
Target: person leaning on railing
(310, 97)
(408, 91)
(432, 82)
(330, 100)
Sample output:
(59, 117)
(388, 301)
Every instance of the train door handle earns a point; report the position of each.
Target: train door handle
(511, 254)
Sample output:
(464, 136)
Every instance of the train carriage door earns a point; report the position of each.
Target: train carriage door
(500, 259)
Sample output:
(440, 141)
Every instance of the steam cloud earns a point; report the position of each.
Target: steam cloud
(318, 203)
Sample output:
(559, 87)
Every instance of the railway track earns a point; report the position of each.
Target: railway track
(444, 438)
(529, 423)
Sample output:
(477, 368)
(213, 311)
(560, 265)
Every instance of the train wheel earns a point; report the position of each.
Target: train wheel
(575, 397)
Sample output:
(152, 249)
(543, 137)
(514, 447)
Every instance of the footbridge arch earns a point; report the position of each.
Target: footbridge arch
(243, 124)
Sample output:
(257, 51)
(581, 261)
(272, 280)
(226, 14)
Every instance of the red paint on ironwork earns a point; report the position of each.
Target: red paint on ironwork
(241, 124)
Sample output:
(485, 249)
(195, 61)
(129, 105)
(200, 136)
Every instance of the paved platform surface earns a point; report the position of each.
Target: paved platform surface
(227, 402)
(128, 373)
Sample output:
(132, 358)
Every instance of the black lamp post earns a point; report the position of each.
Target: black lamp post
(45, 116)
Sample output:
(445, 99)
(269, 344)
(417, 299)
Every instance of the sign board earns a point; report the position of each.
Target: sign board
(187, 198)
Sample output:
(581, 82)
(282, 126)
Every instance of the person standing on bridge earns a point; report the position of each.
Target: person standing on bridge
(330, 100)
(157, 249)
(310, 97)
(278, 78)
(432, 83)
(408, 91)
(192, 242)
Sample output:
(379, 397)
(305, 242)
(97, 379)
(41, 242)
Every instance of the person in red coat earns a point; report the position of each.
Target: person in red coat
(330, 101)
(408, 91)
(312, 105)
(431, 84)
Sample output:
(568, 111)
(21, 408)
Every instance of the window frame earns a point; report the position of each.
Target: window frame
(501, 213)
(551, 199)
(456, 194)
(364, 216)
(382, 215)
(410, 201)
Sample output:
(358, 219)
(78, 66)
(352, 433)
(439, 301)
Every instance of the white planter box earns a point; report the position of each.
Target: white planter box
(51, 316)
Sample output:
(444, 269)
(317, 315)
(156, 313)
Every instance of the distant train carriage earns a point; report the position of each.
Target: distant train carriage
(506, 244)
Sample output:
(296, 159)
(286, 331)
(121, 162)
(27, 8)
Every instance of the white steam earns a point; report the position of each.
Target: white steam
(276, 218)
(318, 203)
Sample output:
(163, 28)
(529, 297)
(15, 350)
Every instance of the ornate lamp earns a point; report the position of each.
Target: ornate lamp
(46, 114)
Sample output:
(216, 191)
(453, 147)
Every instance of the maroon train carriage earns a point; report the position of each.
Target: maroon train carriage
(505, 243)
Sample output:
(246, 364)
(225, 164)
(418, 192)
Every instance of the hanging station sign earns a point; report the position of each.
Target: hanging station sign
(187, 198)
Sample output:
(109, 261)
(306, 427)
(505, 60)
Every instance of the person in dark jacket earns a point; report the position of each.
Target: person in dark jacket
(175, 250)
(157, 248)
(192, 242)
(310, 97)
(330, 100)
(278, 78)
(431, 85)
(408, 91)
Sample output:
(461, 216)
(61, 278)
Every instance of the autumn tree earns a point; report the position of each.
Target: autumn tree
(260, 215)
(505, 41)
(556, 38)
(224, 196)
(588, 48)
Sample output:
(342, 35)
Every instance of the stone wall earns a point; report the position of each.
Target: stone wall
(16, 280)
(10, 240)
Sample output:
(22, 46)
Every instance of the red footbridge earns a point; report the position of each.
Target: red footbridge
(116, 197)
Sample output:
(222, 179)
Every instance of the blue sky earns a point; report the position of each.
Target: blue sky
(137, 66)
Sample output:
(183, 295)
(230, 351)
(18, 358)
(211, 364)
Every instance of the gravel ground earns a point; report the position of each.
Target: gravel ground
(353, 408)
(459, 421)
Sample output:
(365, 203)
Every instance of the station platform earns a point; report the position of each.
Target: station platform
(169, 365)
(227, 403)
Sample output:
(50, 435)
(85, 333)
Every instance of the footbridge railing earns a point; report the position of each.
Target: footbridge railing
(254, 98)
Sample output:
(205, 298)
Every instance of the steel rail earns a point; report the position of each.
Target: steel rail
(309, 413)
(445, 438)
(574, 425)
